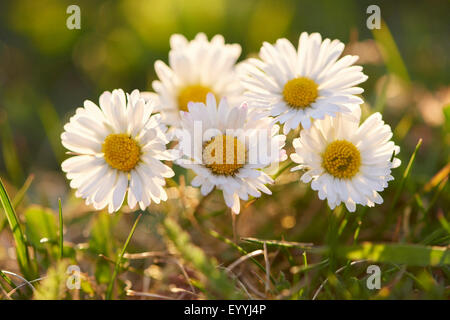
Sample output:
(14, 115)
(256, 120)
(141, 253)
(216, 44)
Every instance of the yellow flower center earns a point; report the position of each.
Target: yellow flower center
(193, 93)
(300, 92)
(224, 155)
(341, 159)
(121, 151)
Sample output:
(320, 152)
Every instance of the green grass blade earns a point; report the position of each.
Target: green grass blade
(409, 254)
(436, 195)
(277, 243)
(54, 285)
(10, 155)
(17, 199)
(380, 101)
(390, 215)
(119, 260)
(61, 231)
(7, 279)
(52, 125)
(282, 169)
(405, 175)
(22, 251)
(22, 191)
(218, 236)
(390, 52)
(444, 223)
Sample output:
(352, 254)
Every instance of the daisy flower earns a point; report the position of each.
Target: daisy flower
(196, 68)
(346, 162)
(227, 151)
(117, 149)
(296, 86)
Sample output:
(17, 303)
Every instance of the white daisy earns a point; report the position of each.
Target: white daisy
(118, 148)
(346, 162)
(227, 151)
(296, 86)
(197, 67)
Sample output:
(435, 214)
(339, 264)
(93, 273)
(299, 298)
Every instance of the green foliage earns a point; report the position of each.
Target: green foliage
(40, 224)
(50, 120)
(407, 254)
(447, 118)
(119, 260)
(103, 272)
(217, 283)
(101, 242)
(28, 268)
(390, 52)
(61, 230)
(54, 286)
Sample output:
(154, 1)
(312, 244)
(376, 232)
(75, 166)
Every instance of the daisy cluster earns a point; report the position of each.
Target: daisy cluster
(227, 118)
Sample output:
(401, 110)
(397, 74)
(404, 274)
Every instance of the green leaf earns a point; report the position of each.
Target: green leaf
(40, 224)
(26, 266)
(409, 254)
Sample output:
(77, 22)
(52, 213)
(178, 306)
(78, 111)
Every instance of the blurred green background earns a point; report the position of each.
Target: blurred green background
(47, 71)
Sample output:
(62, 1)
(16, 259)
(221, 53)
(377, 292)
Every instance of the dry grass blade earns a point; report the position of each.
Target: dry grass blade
(243, 258)
(133, 293)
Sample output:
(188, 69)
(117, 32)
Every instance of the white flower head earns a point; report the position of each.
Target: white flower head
(347, 162)
(196, 68)
(297, 86)
(228, 151)
(118, 148)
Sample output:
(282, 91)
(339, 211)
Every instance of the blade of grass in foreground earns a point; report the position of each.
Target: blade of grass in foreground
(390, 52)
(17, 199)
(279, 243)
(119, 260)
(22, 191)
(7, 280)
(10, 156)
(61, 235)
(390, 214)
(23, 258)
